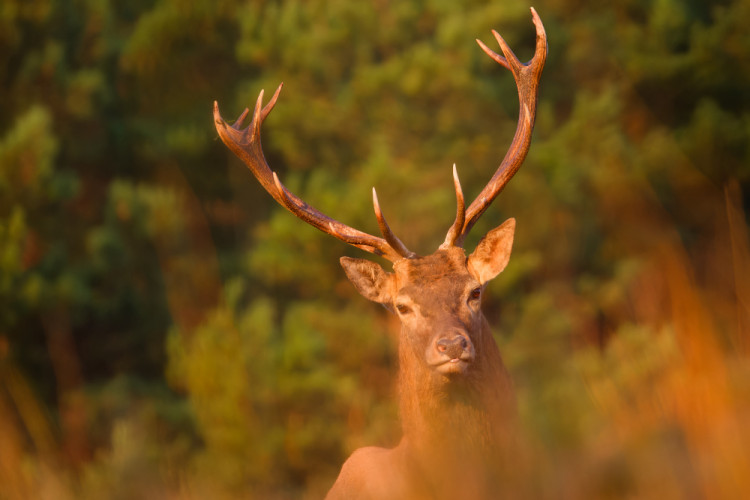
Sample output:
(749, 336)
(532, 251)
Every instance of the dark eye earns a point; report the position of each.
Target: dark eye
(475, 294)
(403, 309)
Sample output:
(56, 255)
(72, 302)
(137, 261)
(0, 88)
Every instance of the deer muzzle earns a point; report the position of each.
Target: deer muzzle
(451, 353)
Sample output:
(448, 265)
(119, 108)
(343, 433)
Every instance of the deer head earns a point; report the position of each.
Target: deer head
(438, 297)
(445, 348)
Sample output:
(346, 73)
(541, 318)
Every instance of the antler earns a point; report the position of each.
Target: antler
(527, 80)
(245, 143)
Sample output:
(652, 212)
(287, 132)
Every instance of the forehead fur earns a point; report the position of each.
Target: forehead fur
(422, 272)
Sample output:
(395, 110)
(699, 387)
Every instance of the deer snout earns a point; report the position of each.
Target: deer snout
(454, 347)
(450, 352)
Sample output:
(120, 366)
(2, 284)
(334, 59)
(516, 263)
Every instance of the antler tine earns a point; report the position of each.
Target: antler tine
(246, 144)
(268, 107)
(527, 80)
(494, 55)
(385, 229)
(458, 224)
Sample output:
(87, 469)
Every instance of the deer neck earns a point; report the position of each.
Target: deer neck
(443, 414)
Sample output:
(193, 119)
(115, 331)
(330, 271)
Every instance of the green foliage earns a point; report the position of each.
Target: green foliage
(187, 335)
(264, 396)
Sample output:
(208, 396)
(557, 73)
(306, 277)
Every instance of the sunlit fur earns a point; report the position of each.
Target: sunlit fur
(456, 426)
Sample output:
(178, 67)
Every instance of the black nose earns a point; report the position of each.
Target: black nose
(453, 348)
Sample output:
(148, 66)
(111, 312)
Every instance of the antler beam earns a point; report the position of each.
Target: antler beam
(527, 78)
(246, 144)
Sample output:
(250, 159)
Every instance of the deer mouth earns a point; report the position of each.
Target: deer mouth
(451, 354)
(454, 366)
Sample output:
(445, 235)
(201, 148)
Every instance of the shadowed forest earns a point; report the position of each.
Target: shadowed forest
(168, 331)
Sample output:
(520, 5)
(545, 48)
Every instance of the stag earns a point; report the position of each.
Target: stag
(455, 395)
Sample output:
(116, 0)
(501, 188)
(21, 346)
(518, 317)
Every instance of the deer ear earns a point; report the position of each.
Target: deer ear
(370, 280)
(493, 252)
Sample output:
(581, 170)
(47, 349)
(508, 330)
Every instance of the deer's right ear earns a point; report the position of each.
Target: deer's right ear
(370, 280)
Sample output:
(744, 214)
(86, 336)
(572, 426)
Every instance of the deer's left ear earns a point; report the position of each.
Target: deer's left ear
(493, 252)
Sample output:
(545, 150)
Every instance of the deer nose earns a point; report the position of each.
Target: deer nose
(453, 348)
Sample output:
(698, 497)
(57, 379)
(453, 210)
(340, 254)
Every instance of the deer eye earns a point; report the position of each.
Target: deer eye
(475, 294)
(403, 309)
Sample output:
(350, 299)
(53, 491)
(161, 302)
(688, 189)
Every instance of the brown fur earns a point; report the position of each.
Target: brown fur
(456, 426)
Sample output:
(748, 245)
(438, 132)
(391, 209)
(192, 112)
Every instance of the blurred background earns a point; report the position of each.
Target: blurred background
(168, 331)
